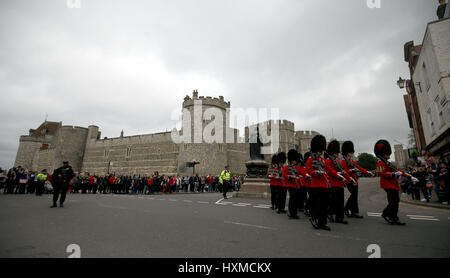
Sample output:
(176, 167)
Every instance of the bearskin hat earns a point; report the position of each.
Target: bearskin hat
(347, 147)
(382, 147)
(300, 159)
(307, 156)
(334, 147)
(274, 159)
(292, 155)
(318, 144)
(281, 157)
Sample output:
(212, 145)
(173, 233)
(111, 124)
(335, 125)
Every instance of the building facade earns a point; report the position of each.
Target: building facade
(431, 82)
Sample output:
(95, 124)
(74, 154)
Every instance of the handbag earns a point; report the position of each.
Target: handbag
(429, 185)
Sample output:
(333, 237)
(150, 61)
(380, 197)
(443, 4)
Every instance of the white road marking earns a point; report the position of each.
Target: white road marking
(108, 206)
(161, 199)
(240, 205)
(420, 216)
(224, 203)
(262, 206)
(173, 200)
(140, 197)
(187, 201)
(250, 225)
(202, 202)
(429, 219)
(374, 214)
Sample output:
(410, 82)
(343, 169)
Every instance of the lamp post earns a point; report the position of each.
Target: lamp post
(401, 83)
(192, 164)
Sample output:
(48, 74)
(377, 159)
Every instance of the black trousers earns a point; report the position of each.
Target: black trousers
(302, 196)
(39, 188)
(337, 202)
(226, 185)
(273, 195)
(391, 210)
(281, 202)
(293, 201)
(57, 190)
(352, 202)
(319, 204)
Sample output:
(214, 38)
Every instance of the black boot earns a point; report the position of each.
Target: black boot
(54, 206)
(341, 221)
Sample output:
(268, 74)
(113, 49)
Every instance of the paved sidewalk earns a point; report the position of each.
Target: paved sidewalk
(405, 198)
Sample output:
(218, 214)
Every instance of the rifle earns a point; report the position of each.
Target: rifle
(338, 166)
(319, 166)
(392, 166)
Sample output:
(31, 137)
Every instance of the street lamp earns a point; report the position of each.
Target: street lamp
(401, 83)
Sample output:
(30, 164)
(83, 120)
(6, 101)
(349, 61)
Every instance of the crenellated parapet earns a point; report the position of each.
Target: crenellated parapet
(207, 101)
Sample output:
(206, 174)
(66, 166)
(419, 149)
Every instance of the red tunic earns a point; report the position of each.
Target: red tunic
(353, 174)
(317, 180)
(302, 180)
(332, 174)
(387, 178)
(275, 180)
(289, 182)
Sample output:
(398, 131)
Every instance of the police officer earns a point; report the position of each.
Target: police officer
(41, 178)
(61, 180)
(225, 176)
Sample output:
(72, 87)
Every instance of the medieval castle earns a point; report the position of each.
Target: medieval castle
(52, 143)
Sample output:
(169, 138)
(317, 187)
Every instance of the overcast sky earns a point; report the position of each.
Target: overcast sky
(329, 66)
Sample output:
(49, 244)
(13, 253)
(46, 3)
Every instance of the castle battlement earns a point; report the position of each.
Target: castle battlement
(208, 101)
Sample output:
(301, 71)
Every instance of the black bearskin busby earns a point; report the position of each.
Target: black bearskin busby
(300, 159)
(306, 156)
(334, 147)
(292, 155)
(281, 157)
(347, 147)
(318, 144)
(382, 147)
(274, 159)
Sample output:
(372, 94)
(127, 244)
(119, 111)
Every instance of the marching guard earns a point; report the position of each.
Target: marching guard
(337, 177)
(281, 202)
(351, 208)
(388, 181)
(315, 166)
(291, 180)
(276, 181)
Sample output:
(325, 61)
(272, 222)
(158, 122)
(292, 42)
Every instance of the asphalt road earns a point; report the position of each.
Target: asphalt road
(204, 226)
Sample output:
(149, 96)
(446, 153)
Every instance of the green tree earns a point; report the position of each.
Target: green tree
(367, 161)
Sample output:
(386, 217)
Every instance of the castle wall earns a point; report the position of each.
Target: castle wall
(28, 147)
(237, 155)
(141, 154)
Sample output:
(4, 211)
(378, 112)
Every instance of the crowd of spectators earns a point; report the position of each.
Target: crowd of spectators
(20, 181)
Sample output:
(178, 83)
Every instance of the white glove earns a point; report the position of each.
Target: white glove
(341, 177)
(414, 180)
(398, 174)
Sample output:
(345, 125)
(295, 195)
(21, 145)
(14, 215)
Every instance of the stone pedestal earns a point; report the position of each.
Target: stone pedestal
(256, 184)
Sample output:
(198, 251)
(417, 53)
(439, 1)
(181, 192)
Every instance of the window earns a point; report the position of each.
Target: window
(128, 152)
(220, 148)
(425, 78)
(439, 108)
(185, 147)
(430, 122)
(106, 152)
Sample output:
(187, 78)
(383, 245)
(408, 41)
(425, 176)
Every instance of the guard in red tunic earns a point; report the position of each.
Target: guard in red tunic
(282, 190)
(291, 179)
(315, 167)
(351, 208)
(388, 180)
(302, 182)
(337, 176)
(307, 185)
(276, 180)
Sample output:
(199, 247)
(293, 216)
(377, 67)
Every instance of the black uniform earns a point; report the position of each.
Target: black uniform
(61, 179)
